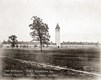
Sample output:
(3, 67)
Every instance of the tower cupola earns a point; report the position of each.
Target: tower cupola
(57, 26)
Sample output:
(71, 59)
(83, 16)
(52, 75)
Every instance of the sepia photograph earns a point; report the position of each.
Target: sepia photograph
(50, 40)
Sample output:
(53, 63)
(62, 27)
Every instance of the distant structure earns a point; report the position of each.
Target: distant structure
(70, 45)
(57, 36)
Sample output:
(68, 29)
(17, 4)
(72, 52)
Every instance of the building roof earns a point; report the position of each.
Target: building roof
(79, 43)
(57, 26)
(22, 42)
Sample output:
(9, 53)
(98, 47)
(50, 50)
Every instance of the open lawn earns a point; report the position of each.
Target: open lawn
(36, 64)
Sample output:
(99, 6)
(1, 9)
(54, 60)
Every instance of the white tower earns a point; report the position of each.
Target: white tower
(57, 35)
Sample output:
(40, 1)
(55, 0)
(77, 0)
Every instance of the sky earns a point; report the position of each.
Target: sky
(79, 20)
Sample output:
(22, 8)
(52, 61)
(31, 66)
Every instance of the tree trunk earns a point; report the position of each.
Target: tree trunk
(41, 46)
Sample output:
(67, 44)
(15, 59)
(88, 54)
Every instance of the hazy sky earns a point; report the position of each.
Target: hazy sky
(79, 20)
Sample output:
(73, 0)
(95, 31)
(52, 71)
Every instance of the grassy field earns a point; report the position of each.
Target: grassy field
(78, 59)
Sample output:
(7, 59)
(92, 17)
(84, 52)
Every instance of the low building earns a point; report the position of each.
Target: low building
(79, 44)
(23, 44)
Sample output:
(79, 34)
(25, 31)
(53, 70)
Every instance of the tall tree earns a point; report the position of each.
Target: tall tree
(13, 40)
(39, 31)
